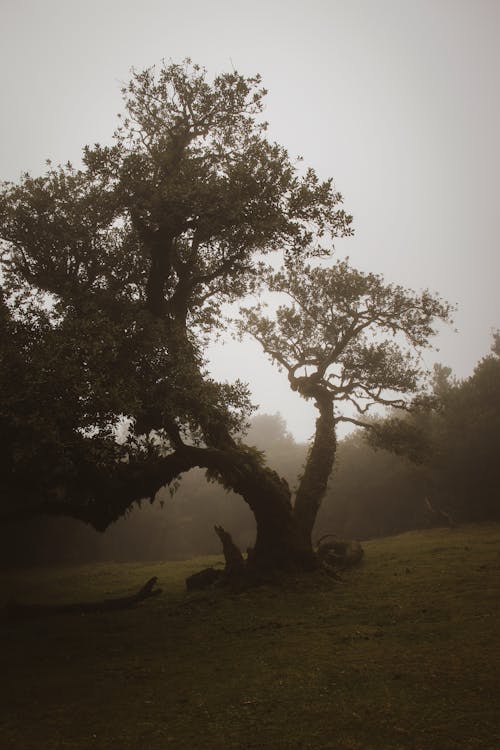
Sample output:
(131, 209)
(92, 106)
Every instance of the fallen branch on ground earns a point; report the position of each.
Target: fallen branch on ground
(17, 611)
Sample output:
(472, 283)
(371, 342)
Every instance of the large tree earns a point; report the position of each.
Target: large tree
(345, 339)
(114, 277)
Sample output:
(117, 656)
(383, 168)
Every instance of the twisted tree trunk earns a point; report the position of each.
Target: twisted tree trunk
(318, 468)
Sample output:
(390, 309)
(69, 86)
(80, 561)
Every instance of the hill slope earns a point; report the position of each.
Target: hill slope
(402, 654)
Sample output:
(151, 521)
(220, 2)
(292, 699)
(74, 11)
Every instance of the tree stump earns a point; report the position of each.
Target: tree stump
(235, 563)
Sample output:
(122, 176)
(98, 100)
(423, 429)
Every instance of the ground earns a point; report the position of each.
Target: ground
(401, 655)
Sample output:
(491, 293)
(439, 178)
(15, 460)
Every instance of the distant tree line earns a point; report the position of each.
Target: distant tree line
(446, 452)
(378, 487)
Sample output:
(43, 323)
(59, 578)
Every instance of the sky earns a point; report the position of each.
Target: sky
(397, 100)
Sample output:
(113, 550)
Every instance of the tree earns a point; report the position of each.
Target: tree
(343, 337)
(177, 525)
(113, 278)
(372, 493)
(460, 431)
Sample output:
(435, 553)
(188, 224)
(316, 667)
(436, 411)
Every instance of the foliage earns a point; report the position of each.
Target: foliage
(113, 278)
(113, 275)
(465, 435)
(178, 526)
(372, 493)
(461, 431)
(348, 334)
(344, 337)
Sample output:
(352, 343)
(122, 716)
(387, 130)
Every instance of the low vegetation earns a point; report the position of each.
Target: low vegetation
(401, 654)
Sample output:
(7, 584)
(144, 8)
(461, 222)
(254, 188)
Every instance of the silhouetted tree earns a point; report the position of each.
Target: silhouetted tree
(372, 493)
(113, 278)
(176, 526)
(344, 338)
(454, 440)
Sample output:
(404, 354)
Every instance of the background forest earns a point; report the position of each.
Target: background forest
(452, 459)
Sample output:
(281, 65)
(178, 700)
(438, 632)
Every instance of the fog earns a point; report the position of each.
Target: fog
(398, 101)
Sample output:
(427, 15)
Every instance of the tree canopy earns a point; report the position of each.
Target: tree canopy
(454, 438)
(114, 273)
(348, 333)
(114, 276)
(343, 337)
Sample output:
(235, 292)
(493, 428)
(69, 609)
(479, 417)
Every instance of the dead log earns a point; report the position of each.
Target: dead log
(16, 611)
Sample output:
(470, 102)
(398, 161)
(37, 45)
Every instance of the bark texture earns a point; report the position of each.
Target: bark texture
(318, 468)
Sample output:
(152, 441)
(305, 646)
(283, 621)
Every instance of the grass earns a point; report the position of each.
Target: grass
(403, 655)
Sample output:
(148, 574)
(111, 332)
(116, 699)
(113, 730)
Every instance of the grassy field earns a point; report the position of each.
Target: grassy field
(403, 654)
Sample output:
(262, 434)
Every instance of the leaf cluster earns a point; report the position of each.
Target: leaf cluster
(346, 332)
(113, 274)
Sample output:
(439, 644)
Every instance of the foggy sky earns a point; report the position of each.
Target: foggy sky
(398, 100)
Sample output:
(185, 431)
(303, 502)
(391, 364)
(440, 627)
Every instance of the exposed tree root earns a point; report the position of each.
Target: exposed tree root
(332, 557)
(339, 554)
(17, 611)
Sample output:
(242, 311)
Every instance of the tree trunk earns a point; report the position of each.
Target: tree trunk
(278, 543)
(317, 471)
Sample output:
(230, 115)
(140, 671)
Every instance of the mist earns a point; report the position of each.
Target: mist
(249, 374)
(396, 102)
